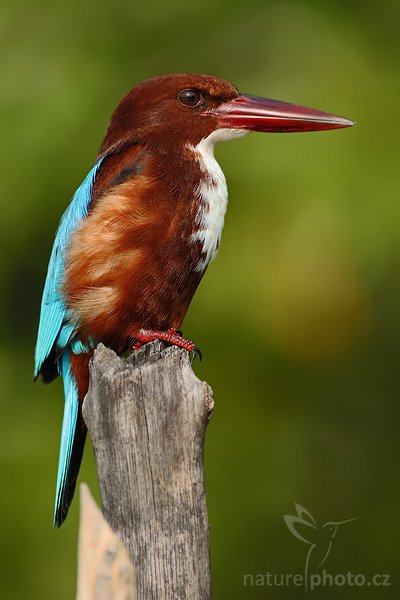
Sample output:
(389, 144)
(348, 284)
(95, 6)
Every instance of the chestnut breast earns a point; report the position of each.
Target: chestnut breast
(132, 262)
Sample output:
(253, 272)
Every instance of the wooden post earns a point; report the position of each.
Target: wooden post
(105, 571)
(147, 417)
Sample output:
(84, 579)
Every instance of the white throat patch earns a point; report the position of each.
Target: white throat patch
(213, 194)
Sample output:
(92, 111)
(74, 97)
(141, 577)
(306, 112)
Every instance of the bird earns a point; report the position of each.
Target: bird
(141, 230)
(305, 528)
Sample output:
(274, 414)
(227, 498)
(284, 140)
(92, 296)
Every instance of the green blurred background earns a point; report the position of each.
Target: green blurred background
(298, 319)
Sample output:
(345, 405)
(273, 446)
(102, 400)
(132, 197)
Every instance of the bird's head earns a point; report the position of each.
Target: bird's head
(331, 527)
(171, 111)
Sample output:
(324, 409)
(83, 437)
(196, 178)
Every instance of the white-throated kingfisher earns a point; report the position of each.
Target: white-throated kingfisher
(140, 231)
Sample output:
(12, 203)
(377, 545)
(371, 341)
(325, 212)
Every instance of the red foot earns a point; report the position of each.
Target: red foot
(169, 335)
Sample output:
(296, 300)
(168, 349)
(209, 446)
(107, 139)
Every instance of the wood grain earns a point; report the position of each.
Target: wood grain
(147, 416)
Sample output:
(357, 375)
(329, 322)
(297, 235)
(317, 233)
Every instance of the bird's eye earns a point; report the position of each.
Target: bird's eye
(190, 97)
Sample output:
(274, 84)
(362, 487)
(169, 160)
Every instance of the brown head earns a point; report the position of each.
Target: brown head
(173, 110)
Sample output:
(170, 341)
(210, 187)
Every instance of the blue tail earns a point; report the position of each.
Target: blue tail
(73, 436)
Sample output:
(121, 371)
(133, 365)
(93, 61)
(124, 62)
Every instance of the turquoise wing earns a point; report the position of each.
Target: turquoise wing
(55, 330)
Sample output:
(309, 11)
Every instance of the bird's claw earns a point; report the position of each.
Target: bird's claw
(196, 352)
(171, 336)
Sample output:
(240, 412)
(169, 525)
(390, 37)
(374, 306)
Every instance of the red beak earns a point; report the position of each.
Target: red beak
(262, 114)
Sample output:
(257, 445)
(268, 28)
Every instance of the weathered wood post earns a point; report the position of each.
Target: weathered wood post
(147, 416)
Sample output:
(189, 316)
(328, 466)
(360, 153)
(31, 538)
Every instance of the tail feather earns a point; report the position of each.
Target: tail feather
(73, 437)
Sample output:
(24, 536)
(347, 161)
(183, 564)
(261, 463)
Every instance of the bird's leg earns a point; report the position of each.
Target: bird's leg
(172, 336)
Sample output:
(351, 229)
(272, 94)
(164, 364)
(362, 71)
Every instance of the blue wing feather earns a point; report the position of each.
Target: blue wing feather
(54, 328)
(56, 331)
(70, 419)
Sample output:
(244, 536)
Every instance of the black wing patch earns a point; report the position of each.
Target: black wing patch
(127, 173)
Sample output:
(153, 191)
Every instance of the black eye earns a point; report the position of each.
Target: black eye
(189, 97)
